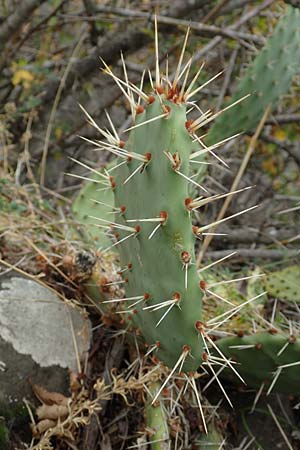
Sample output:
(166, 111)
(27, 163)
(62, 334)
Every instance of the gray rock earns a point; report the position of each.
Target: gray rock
(37, 333)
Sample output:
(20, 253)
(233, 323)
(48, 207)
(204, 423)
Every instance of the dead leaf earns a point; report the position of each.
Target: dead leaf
(74, 382)
(22, 76)
(49, 398)
(52, 412)
(42, 426)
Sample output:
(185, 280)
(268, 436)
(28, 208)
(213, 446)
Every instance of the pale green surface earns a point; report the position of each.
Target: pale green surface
(157, 267)
(267, 79)
(258, 365)
(284, 284)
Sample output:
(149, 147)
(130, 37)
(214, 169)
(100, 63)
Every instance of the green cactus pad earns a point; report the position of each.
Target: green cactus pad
(156, 420)
(259, 357)
(84, 207)
(284, 284)
(267, 79)
(158, 267)
(211, 441)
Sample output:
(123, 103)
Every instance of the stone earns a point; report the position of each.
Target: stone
(37, 332)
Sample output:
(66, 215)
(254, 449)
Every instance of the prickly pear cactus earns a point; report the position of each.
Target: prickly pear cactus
(155, 235)
(267, 79)
(84, 207)
(160, 249)
(268, 358)
(284, 284)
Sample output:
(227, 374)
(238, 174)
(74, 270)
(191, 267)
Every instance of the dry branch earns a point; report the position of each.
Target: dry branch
(15, 20)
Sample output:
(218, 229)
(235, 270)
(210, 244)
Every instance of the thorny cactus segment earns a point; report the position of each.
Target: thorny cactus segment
(153, 222)
(284, 284)
(266, 360)
(84, 207)
(267, 79)
(155, 235)
(161, 246)
(156, 420)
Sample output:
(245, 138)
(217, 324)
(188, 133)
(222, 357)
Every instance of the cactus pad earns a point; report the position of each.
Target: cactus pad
(284, 284)
(260, 356)
(162, 264)
(267, 79)
(84, 207)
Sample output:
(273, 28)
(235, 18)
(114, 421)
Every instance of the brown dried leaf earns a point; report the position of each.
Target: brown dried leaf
(52, 412)
(42, 426)
(49, 398)
(74, 382)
